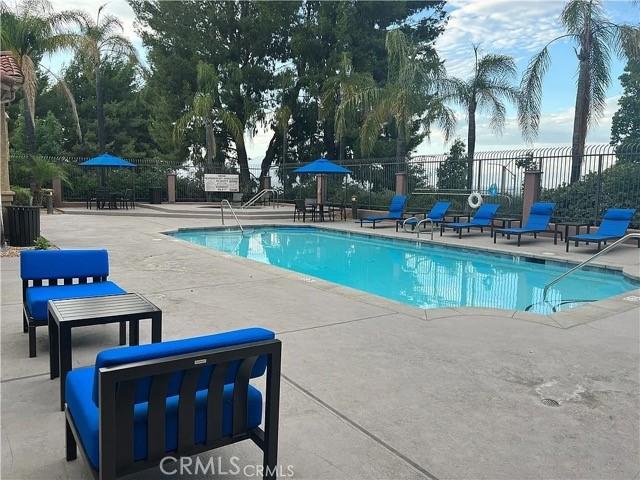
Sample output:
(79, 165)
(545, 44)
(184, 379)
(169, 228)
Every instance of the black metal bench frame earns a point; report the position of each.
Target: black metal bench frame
(29, 324)
(117, 395)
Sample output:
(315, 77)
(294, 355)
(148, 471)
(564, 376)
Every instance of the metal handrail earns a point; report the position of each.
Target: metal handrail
(261, 194)
(234, 213)
(417, 227)
(580, 265)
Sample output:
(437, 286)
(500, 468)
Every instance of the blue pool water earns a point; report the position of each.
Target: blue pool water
(419, 274)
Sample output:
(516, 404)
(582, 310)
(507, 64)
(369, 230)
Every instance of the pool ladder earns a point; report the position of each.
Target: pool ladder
(417, 227)
(588, 260)
(222, 203)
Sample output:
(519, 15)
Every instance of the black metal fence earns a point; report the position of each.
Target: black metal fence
(609, 177)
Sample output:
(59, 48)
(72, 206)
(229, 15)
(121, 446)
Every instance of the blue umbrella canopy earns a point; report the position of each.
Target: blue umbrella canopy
(322, 166)
(107, 160)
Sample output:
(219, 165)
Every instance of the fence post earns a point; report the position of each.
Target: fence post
(171, 187)
(598, 189)
(56, 185)
(401, 183)
(531, 192)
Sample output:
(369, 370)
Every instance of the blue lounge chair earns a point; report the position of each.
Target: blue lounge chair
(538, 222)
(139, 405)
(436, 215)
(396, 211)
(49, 275)
(483, 218)
(614, 226)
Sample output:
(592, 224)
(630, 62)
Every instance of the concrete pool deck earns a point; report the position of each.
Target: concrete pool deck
(371, 388)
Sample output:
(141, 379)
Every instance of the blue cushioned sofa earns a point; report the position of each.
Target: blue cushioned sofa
(56, 275)
(140, 404)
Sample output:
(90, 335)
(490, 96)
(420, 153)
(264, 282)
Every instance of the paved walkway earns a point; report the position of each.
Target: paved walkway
(372, 388)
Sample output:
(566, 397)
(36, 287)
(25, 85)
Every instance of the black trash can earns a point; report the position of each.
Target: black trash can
(156, 195)
(23, 225)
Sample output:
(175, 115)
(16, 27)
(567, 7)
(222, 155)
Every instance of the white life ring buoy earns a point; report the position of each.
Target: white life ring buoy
(474, 200)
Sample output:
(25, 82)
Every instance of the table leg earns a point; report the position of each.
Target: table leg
(156, 328)
(123, 333)
(566, 233)
(134, 332)
(54, 356)
(64, 347)
(555, 233)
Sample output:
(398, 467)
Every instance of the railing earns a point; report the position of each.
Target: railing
(417, 227)
(234, 214)
(592, 257)
(258, 196)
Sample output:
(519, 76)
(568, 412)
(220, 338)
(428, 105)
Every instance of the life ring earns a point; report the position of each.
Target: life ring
(474, 200)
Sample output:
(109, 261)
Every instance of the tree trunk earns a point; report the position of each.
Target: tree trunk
(29, 130)
(583, 99)
(269, 155)
(471, 145)
(210, 145)
(400, 142)
(100, 110)
(243, 163)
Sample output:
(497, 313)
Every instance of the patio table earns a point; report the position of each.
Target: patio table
(577, 225)
(81, 312)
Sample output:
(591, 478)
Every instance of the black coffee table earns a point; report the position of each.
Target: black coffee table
(81, 312)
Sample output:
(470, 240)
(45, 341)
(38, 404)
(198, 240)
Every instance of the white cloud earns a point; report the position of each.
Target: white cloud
(501, 26)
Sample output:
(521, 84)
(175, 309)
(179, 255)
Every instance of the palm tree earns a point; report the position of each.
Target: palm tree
(344, 84)
(486, 90)
(100, 39)
(409, 96)
(29, 32)
(206, 111)
(595, 37)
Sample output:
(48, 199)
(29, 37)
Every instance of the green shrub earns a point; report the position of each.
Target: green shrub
(22, 197)
(41, 243)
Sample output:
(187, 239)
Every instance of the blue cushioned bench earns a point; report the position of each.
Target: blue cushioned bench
(139, 404)
(56, 275)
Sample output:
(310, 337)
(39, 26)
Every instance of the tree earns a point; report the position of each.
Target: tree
(452, 173)
(99, 39)
(486, 90)
(29, 32)
(595, 37)
(206, 111)
(625, 126)
(409, 99)
(337, 88)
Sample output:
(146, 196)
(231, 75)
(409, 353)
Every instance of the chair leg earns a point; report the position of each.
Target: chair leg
(71, 447)
(494, 237)
(460, 233)
(25, 324)
(566, 247)
(519, 236)
(32, 341)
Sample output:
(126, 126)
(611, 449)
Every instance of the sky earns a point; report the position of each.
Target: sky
(519, 28)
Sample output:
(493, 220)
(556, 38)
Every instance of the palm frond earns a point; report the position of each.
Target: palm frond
(181, 126)
(232, 124)
(531, 94)
(207, 78)
(599, 77)
(66, 92)
(627, 41)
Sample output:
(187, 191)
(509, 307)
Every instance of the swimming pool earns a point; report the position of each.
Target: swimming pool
(416, 273)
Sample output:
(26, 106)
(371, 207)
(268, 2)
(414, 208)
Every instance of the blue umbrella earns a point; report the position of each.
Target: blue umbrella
(107, 160)
(322, 166)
